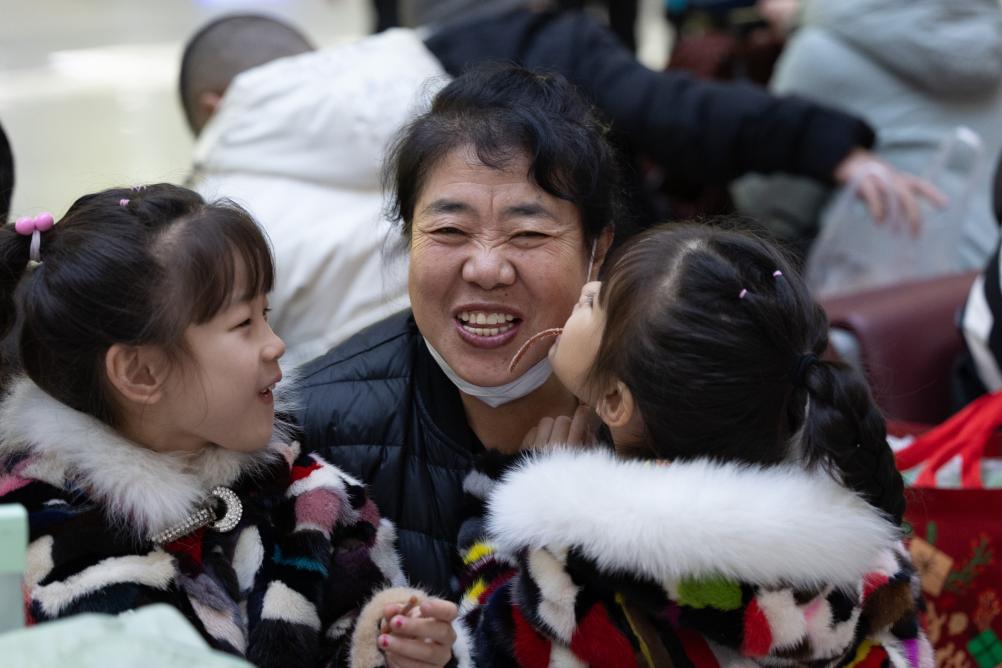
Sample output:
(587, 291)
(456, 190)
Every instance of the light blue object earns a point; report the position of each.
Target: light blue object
(13, 550)
(157, 636)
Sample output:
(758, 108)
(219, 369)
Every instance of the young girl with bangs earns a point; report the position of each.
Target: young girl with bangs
(144, 435)
(749, 512)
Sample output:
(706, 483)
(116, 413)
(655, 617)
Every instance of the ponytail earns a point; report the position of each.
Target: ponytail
(844, 429)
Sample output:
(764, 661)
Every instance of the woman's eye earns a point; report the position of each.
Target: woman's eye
(530, 235)
(449, 231)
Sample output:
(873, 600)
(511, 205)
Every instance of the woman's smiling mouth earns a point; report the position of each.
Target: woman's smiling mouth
(487, 327)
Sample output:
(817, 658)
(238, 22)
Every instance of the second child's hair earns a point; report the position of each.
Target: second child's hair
(123, 266)
(709, 328)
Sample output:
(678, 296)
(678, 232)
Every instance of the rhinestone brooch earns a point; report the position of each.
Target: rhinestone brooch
(206, 516)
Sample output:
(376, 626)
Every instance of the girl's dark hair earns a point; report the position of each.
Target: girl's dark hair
(132, 272)
(504, 112)
(714, 373)
(6, 176)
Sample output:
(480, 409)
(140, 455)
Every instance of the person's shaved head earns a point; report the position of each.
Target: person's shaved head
(223, 49)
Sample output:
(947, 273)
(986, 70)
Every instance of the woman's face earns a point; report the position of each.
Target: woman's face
(493, 260)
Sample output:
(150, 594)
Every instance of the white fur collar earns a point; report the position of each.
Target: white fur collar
(139, 488)
(777, 525)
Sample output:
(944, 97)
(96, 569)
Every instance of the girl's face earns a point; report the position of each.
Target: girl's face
(222, 392)
(573, 353)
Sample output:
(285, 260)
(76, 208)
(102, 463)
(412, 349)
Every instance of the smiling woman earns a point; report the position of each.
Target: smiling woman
(505, 192)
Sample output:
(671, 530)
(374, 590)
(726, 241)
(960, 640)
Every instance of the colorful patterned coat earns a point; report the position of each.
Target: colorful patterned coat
(284, 587)
(579, 559)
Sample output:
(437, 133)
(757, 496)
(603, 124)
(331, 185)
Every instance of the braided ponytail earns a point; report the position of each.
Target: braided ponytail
(844, 430)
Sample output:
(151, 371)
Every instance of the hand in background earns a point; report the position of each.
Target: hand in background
(781, 15)
(880, 183)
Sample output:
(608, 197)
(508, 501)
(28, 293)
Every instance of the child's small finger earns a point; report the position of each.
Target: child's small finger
(440, 609)
(424, 629)
(400, 649)
(545, 428)
(561, 430)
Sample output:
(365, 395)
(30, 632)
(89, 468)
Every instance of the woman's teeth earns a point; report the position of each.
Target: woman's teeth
(481, 323)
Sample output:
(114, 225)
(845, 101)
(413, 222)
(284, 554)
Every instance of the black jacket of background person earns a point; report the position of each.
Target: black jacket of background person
(699, 132)
(381, 409)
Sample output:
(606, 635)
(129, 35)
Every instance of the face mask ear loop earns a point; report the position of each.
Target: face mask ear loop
(591, 260)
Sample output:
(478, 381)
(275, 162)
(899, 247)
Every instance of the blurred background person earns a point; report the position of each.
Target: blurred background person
(297, 136)
(913, 69)
(696, 132)
(621, 14)
(88, 91)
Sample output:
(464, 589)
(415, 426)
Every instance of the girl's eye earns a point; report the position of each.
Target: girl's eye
(265, 313)
(245, 323)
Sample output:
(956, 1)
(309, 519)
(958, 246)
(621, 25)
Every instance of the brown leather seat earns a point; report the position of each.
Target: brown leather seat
(908, 341)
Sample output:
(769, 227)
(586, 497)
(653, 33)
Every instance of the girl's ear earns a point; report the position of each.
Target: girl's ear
(138, 373)
(616, 407)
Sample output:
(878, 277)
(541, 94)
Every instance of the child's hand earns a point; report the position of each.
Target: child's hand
(564, 430)
(419, 638)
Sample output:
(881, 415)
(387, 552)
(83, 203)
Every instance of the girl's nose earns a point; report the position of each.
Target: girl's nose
(274, 348)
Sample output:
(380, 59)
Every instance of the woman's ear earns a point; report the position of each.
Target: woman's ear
(138, 373)
(602, 245)
(616, 407)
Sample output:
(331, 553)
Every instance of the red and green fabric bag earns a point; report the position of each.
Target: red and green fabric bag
(956, 533)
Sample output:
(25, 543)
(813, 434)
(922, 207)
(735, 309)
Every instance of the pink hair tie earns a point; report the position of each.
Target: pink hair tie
(742, 294)
(777, 273)
(123, 202)
(34, 226)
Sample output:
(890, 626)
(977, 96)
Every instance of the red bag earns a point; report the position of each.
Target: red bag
(956, 537)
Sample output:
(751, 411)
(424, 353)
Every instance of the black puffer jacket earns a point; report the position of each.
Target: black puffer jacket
(378, 407)
(700, 132)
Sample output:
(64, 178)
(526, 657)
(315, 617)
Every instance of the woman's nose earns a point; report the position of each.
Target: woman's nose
(488, 268)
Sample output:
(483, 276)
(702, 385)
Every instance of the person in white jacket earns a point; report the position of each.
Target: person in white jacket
(299, 142)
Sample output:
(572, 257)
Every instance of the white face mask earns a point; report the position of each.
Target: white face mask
(500, 395)
(522, 386)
